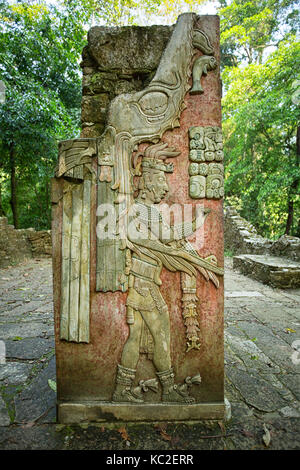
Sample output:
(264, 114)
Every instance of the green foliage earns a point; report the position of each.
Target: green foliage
(113, 12)
(248, 28)
(260, 125)
(52, 385)
(261, 113)
(39, 66)
(40, 49)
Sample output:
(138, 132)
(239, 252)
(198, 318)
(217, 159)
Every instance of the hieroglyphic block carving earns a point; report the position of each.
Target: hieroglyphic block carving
(206, 179)
(208, 139)
(197, 187)
(193, 169)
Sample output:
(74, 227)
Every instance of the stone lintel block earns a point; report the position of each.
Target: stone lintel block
(277, 272)
(72, 413)
(128, 48)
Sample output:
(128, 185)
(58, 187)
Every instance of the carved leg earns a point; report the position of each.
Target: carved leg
(158, 323)
(173, 393)
(123, 392)
(131, 354)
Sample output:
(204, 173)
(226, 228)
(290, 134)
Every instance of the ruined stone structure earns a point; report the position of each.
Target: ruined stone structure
(277, 272)
(138, 297)
(22, 244)
(241, 237)
(275, 263)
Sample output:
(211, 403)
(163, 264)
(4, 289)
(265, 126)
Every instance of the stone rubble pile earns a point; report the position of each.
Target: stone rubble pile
(241, 236)
(20, 245)
(41, 243)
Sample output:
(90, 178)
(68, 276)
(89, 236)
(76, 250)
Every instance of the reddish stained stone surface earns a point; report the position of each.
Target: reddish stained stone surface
(87, 371)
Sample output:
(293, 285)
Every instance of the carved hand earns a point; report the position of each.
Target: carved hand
(199, 219)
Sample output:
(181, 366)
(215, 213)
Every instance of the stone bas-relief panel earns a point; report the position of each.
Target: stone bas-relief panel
(152, 303)
(75, 169)
(146, 308)
(206, 179)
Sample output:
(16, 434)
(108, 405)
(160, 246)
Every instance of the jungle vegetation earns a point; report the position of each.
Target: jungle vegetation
(40, 49)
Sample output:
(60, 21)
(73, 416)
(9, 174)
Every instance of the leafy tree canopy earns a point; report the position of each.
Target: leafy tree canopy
(261, 113)
(249, 28)
(40, 50)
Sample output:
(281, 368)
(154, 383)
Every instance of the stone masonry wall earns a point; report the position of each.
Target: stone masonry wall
(241, 237)
(19, 245)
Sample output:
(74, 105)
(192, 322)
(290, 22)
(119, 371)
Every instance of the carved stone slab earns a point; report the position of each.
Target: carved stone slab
(147, 309)
(75, 169)
(75, 275)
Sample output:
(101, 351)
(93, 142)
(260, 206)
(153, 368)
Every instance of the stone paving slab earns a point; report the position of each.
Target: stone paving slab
(29, 348)
(38, 400)
(4, 416)
(25, 330)
(262, 382)
(14, 373)
(270, 344)
(256, 391)
(248, 352)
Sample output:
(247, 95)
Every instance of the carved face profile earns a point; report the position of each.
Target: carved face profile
(197, 187)
(154, 186)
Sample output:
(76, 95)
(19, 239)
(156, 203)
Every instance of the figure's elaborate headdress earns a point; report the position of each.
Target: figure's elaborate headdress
(154, 157)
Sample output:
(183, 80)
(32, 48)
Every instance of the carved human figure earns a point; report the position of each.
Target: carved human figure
(154, 244)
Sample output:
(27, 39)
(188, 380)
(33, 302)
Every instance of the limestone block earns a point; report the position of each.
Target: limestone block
(277, 272)
(94, 108)
(125, 48)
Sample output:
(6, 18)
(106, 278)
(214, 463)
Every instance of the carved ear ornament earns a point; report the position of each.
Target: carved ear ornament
(202, 42)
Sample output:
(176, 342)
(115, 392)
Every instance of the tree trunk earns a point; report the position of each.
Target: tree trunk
(13, 185)
(290, 217)
(2, 211)
(293, 189)
(297, 234)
